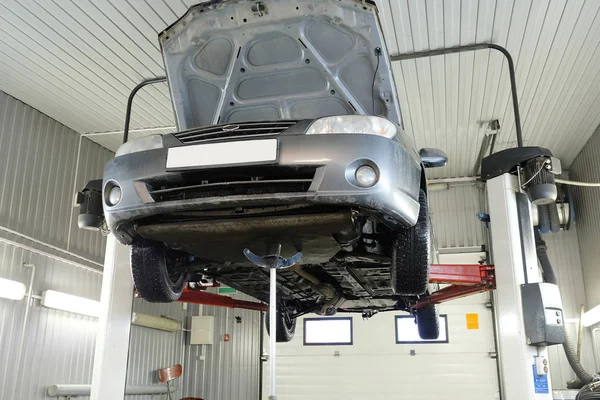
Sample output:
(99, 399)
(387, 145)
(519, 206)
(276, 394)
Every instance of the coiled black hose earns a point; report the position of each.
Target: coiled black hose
(588, 392)
(549, 276)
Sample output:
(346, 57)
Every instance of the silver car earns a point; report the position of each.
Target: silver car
(289, 133)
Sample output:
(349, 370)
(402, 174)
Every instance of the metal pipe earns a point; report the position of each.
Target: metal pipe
(85, 390)
(69, 253)
(140, 85)
(25, 323)
(580, 332)
(595, 349)
(464, 179)
(474, 47)
(261, 345)
(273, 326)
(137, 130)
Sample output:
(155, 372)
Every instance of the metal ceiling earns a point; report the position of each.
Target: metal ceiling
(77, 61)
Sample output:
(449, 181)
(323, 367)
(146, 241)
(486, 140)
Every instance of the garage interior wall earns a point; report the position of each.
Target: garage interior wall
(586, 167)
(225, 370)
(42, 164)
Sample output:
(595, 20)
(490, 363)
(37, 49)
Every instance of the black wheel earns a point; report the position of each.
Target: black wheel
(410, 255)
(428, 322)
(152, 265)
(286, 327)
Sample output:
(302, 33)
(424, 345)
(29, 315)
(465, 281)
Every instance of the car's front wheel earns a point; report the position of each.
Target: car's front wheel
(411, 255)
(285, 327)
(155, 271)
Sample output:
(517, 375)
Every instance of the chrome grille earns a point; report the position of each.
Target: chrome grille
(233, 130)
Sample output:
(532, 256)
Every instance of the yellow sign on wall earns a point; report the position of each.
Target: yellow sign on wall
(472, 321)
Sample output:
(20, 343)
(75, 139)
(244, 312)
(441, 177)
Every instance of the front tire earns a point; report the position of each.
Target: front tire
(151, 266)
(411, 255)
(286, 327)
(428, 322)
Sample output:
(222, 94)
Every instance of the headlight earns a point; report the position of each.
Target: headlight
(358, 124)
(147, 143)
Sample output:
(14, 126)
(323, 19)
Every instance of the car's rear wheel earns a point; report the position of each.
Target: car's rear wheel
(428, 322)
(411, 255)
(285, 327)
(155, 274)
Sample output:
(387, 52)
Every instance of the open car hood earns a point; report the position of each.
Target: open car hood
(242, 60)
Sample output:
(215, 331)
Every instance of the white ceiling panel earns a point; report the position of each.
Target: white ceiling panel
(77, 60)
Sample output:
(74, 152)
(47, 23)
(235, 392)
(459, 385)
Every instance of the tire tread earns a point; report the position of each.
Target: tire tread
(410, 255)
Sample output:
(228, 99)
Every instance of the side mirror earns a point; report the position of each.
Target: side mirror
(432, 158)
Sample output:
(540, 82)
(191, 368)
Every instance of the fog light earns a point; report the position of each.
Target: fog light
(114, 195)
(366, 176)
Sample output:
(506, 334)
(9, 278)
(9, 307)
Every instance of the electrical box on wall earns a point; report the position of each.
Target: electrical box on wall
(203, 330)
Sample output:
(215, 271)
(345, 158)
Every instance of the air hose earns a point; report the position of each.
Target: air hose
(589, 392)
(549, 276)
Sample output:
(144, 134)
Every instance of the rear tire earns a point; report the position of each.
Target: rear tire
(411, 255)
(151, 264)
(286, 327)
(428, 322)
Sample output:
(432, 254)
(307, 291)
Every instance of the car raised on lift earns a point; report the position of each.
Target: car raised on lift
(289, 133)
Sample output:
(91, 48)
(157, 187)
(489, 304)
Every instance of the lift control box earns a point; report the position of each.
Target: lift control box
(543, 314)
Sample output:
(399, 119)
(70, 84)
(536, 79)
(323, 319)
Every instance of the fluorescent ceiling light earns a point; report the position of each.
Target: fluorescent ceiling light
(151, 321)
(591, 317)
(70, 303)
(12, 290)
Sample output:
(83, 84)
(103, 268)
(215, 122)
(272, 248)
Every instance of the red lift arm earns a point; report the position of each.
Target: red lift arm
(211, 299)
(464, 280)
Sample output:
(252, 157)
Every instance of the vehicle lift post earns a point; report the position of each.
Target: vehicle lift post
(515, 261)
(114, 326)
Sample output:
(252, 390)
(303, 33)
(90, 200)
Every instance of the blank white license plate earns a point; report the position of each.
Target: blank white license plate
(220, 154)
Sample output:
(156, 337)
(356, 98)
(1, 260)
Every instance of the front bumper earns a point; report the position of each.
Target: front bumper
(394, 198)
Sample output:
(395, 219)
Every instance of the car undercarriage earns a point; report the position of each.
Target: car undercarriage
(345, 265)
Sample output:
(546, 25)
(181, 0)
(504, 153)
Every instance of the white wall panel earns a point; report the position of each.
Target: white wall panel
(454, 216)
(41, 167)
(375, 367)
(42, 164)
(58, 345)
(152, 349)
(587, 205)
(226, 370)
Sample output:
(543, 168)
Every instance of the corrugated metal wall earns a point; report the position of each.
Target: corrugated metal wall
(58, 346)
(225, 370)
(41, 167)
(151, 349)
(587, 205)
(42, 164)
(454, 216)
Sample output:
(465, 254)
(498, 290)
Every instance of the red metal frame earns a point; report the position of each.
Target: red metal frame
(211, 299)
(464, 280)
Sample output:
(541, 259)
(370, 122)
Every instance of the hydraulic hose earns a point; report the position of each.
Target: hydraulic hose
(549, 276)
(542, 254)
(588, 392)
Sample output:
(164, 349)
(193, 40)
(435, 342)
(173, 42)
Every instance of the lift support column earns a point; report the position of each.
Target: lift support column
(514, 257)
(112, 339)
